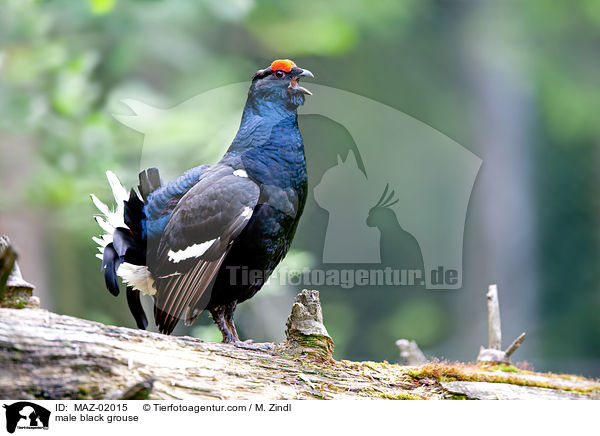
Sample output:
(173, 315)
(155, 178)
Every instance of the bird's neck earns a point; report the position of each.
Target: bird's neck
(266, 124)
(274, 108)
(269, 146)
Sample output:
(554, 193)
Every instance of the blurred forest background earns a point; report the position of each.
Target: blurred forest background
(517, 83)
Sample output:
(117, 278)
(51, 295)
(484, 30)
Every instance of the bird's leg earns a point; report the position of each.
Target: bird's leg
(218, 316)
(229, 309)
(249, 345)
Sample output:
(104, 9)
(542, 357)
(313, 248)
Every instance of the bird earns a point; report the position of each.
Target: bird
(209, 239)
(398, 248)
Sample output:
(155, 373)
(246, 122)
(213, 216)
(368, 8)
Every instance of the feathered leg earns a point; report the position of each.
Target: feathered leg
(249, 345)
(218, 316)
(229, 309)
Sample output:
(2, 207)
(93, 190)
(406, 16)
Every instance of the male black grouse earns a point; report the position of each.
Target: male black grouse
(210, 238)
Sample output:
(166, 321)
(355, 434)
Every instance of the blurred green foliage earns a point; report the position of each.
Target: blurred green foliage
(65, 66)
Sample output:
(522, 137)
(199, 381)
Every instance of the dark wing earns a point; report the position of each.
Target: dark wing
(197, 238)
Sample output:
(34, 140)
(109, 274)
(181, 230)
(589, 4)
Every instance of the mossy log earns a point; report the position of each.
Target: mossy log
(48, 356)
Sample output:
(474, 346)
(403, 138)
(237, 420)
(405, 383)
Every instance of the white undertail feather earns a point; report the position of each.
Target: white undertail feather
(101, 206)
(136, 276)
(119, 192)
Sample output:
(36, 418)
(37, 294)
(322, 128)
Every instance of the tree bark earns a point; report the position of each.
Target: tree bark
(48, 356)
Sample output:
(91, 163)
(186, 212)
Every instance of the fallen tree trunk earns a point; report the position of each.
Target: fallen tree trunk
(48, 356)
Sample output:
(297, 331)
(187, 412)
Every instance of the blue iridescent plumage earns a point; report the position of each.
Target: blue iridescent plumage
(202, 229)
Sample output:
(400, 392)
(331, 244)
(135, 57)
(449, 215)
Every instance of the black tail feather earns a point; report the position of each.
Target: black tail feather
(144, 186)
(133, 215)
(154, 177)
(149, 182)
(135, 306)
(129, 244)
(129, 249)
(110, 264)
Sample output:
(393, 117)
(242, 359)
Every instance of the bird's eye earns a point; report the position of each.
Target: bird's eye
(279, 74)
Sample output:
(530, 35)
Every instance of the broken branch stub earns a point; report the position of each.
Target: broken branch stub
(516, 344)
(305, 332)
(410, 353)
(494, 351)
(494, 328)
(7, 261)
(15, 292)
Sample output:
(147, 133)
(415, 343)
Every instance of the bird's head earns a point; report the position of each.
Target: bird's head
(278, 84)
(382, 213)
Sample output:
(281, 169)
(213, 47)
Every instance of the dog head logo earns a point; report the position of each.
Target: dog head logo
(26, 415)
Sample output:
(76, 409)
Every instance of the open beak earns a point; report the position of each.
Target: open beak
(294, 82)
(306, 73)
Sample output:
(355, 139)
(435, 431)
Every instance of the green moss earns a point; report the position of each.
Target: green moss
(504, 367)
(454, 396)
(20, 304)
(15, 298)
(416, 372)
(402, 395)
(83, 393)
(509, 368)
(468, 372)
(317, 346)
(397, 395)
(446, 379)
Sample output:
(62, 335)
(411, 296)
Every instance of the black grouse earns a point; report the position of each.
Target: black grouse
(210, 238)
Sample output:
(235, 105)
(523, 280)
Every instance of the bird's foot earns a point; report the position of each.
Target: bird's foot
(259, 346)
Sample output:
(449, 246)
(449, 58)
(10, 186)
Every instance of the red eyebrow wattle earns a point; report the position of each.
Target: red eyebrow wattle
(283, 65)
